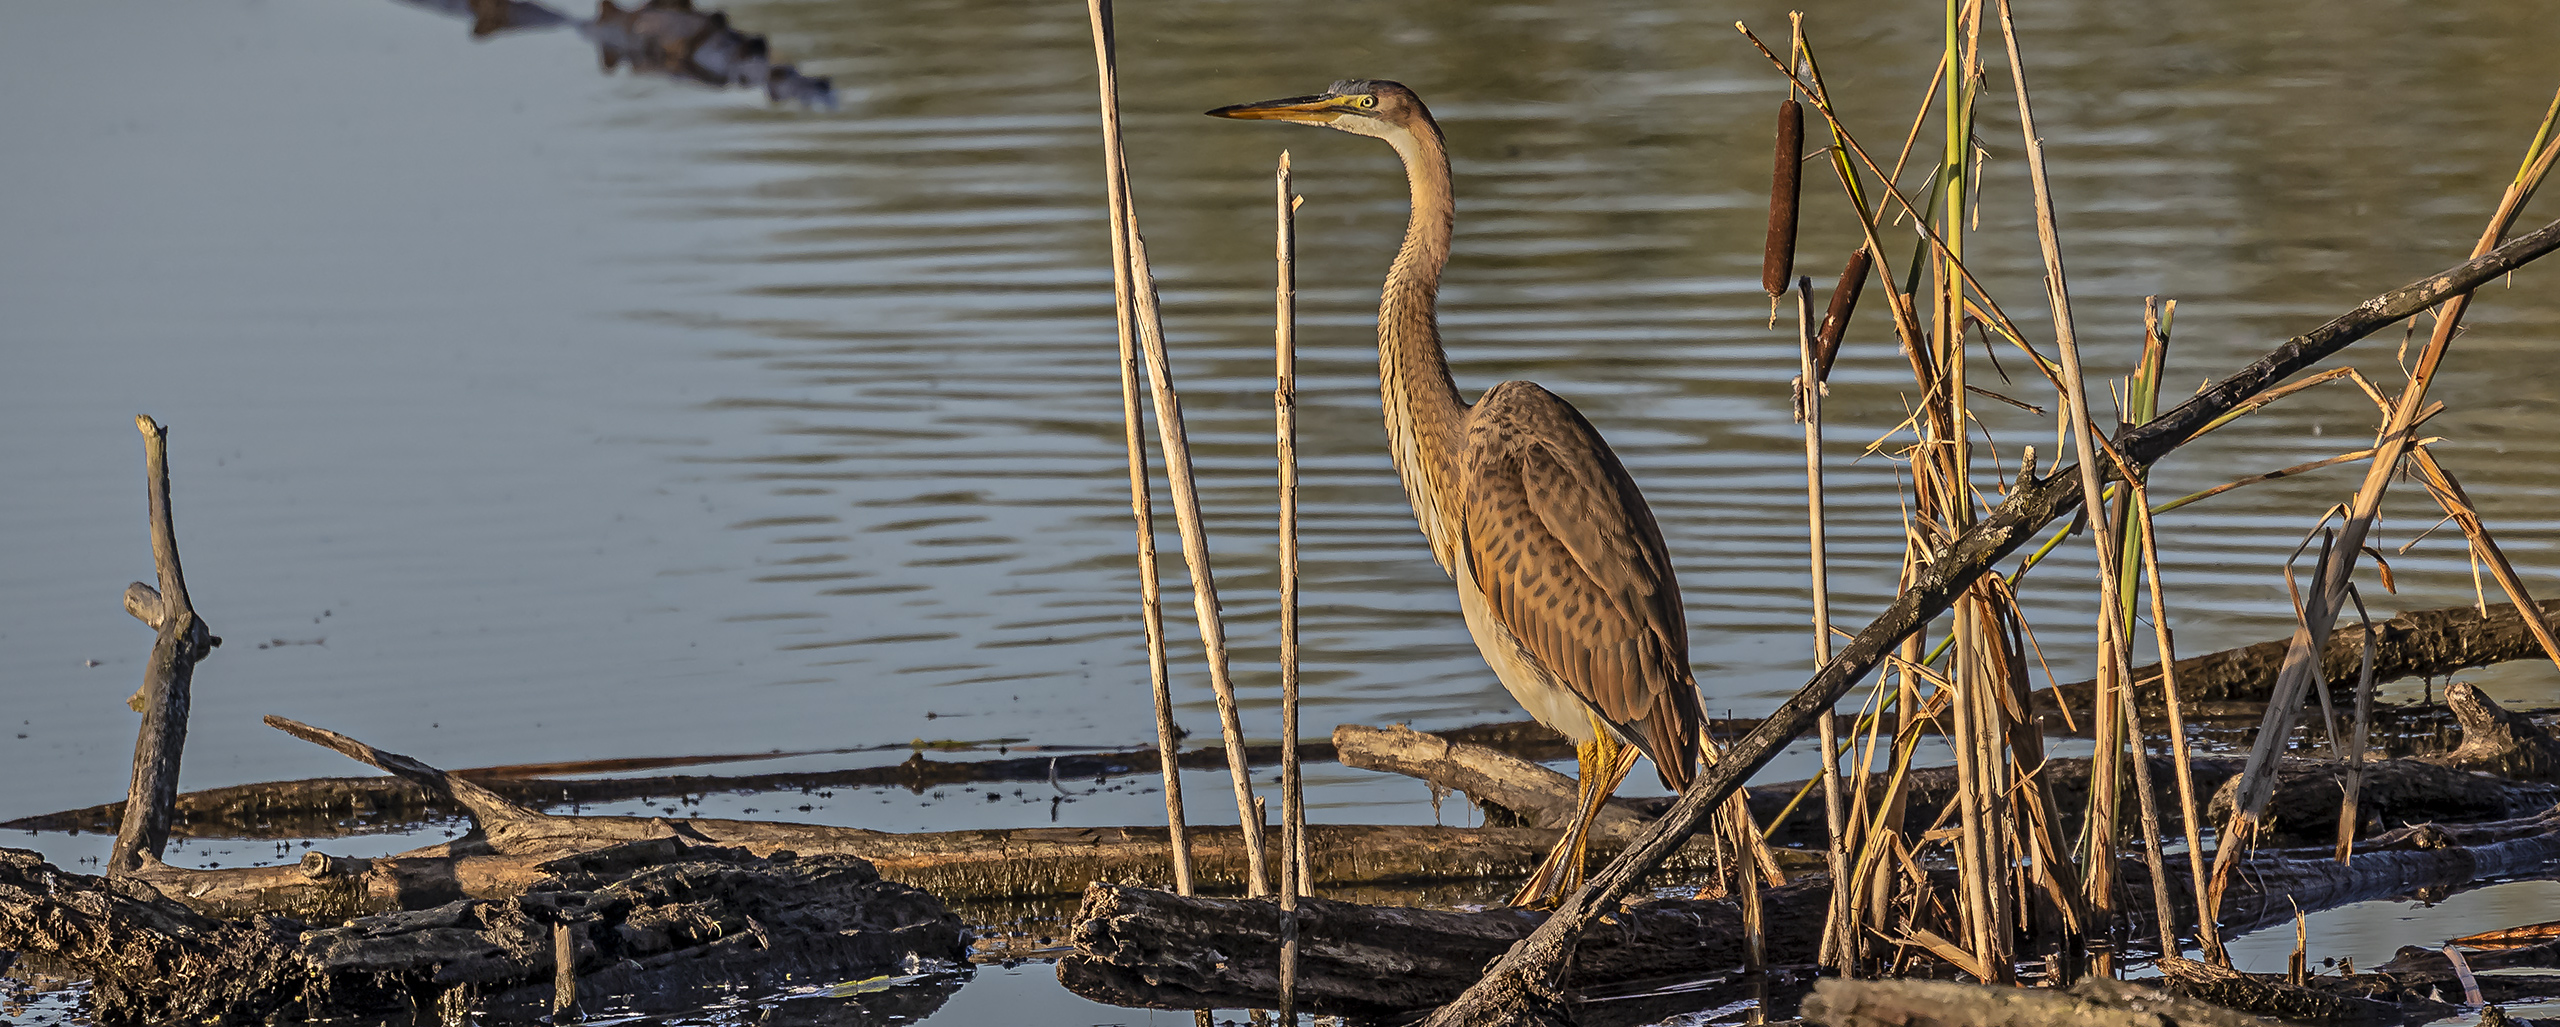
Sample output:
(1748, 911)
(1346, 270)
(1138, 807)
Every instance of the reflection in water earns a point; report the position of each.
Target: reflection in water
(660, 37)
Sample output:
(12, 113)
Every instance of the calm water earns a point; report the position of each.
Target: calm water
(523, 412)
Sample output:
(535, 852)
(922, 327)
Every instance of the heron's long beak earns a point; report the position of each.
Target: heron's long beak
(1321, 109)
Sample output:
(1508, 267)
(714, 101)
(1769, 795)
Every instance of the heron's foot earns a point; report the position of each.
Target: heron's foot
(1556, 877)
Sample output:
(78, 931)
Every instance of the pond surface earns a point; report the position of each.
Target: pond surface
(527, 413)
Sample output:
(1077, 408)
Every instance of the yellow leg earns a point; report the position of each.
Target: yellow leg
(1603, 762)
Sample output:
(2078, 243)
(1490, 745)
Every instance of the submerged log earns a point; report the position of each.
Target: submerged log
(2452, 786)
(1139, 947)
(648, 922)
(2429, 643)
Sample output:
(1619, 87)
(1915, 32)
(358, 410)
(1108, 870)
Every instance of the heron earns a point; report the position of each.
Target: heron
(1562, 574)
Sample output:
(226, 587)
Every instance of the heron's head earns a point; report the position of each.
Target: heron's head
(1369, 107)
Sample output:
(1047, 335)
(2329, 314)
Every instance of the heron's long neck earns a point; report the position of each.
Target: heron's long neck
(1426, 421)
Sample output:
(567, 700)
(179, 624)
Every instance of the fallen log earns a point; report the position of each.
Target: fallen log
(1140, 947)
(649, 923)
(2418, 643)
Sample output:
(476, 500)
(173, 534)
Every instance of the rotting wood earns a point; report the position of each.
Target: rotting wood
(1520, 988)
(2430, 643)
(651, 921)
(2097, 1002)
(1146, 948)
(168, 684)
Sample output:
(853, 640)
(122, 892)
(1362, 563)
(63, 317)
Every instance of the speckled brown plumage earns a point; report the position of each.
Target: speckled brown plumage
(1570, 560)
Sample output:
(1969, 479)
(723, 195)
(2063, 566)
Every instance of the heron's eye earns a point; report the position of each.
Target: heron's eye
(1364, 101)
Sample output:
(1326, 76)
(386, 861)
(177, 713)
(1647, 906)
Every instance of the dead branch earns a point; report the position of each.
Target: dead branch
(167, 686)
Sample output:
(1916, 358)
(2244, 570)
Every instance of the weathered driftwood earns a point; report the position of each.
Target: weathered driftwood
(1147, 948)
(647, 921)
(2503, 768)
(2098, 1002)
(1522, 986)
(2429, 643)
(168, 683)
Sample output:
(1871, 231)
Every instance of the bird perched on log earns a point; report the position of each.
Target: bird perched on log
(1561, 572)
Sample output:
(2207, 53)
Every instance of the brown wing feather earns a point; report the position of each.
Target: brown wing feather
(1570, 560)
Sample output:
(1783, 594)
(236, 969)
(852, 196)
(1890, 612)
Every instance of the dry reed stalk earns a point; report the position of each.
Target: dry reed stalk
(2347, 816)
(2208, 934)
(1141, 491)
(2311, 631)
(1140, 288)
(1838, 934)
(1284, 414)
(2100, 866)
